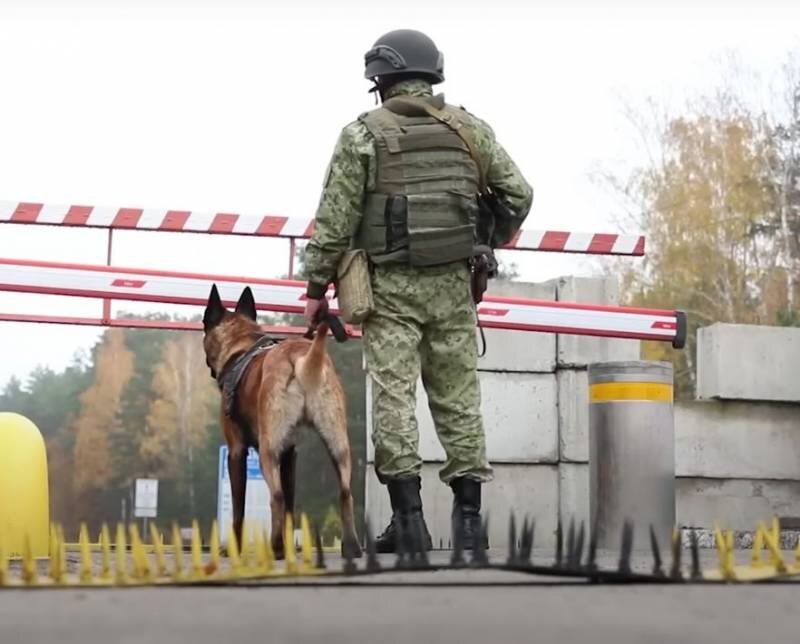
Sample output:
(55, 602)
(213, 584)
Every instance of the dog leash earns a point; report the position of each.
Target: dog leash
(334, 324)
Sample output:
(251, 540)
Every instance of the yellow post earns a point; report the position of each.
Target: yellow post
(306, 545)
(120, 555)
(24, 503)
(288, 546)
(234, 562)
(158, 548)
(105, 550)
(85, 554)
(213, 549)
(177, 546)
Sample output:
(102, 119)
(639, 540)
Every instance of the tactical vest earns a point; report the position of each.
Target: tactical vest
(423, 210)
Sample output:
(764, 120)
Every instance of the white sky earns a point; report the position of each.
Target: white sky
(237, 109)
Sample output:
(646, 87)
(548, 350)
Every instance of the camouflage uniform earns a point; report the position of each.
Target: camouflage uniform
(424, 322)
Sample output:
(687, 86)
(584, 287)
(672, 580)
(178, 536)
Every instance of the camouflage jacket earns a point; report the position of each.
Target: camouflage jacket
(351, 173)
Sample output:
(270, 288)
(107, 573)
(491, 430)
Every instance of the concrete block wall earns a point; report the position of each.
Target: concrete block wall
(535, 410)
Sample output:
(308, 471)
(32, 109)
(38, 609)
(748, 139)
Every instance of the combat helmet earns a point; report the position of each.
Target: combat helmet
(404, 51)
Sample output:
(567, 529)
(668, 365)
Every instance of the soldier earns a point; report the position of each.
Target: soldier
(402, 185)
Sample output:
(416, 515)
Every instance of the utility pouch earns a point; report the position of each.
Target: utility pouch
(354, 288)
(482, 267)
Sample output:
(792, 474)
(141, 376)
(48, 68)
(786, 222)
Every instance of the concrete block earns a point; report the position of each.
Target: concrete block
(525, 489)
(573, 486)
(735, 504)
(517, 350)
(519, 416)
(573, 415)
(715, 439)
(747, 362)
(578, 350)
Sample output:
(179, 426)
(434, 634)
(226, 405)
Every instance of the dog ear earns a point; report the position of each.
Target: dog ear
(215, 311)
(247, 304)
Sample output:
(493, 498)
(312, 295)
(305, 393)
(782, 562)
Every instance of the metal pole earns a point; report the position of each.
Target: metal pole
(631, 451)
(107, 302)
(291, 257)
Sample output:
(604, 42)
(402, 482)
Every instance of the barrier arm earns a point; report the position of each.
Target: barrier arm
(288, 296)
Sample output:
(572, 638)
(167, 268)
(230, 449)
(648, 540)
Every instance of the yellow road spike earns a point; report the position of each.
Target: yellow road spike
(141, 564)
(197, 552)
(234, 562)
(796, 556)
(105, 553)
(729, 553)
(247, 549)
(177, 546)
(28, 562)
(725, 568)
(54, 568)
(776, 538)
(306, 543)
(775, 559)
(289, 554)
(264, 558)
(158, 548)
(120, 554)
(85, 554)
(3, 563)
(62, 551)
(758, 545)
(213, 565)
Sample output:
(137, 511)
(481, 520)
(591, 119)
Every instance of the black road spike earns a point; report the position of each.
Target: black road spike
(320, 553)
(675, 571)
(571, 543)
(373, 565)
(440, 544)
(400, 547)
(479, 557)
(457, 558)
(658, 570)
(513, 557)
(559, 544)
(626, 548)
(591, 561)
(697, 574)
(526, 541)
(422, 554)
(579, 545)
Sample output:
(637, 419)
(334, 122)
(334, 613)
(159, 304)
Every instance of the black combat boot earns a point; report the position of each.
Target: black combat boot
(467, 513)
(407, 510)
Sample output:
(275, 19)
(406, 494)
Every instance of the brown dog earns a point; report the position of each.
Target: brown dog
(282, 387)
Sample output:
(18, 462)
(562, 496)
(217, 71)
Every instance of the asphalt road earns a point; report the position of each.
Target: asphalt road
(445, 606)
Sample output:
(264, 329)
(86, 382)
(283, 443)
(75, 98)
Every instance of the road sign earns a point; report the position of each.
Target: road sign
(257, 514)
(146, 498)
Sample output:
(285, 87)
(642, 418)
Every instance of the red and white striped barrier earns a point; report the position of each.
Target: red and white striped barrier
(275, 226)
(288, 296)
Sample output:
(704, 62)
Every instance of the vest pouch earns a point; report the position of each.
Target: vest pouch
(354, 288)
(433, 246)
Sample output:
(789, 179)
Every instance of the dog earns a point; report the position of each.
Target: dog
(284, 386)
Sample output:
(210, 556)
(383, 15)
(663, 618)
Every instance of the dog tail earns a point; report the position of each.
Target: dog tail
(309, 367)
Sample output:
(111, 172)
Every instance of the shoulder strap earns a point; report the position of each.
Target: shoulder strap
(450, 120)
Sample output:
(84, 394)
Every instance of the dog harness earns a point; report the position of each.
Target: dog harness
(234, 369)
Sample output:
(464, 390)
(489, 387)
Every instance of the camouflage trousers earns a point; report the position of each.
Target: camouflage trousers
(424, 324)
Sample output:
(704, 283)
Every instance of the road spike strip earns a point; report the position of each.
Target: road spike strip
(758, 545)
(579, 545)
(196, 552)
(177, 549)
(559, 543)
(306, 544)
(213, 566)
(234, 562)
(626, 547)
(571, 543)
(290, 557)
(29, 575)
(591, 559)
(729, 546)
(675, 571)
(158, 549)
(85, 569)
(54, 567)
(105, 553)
